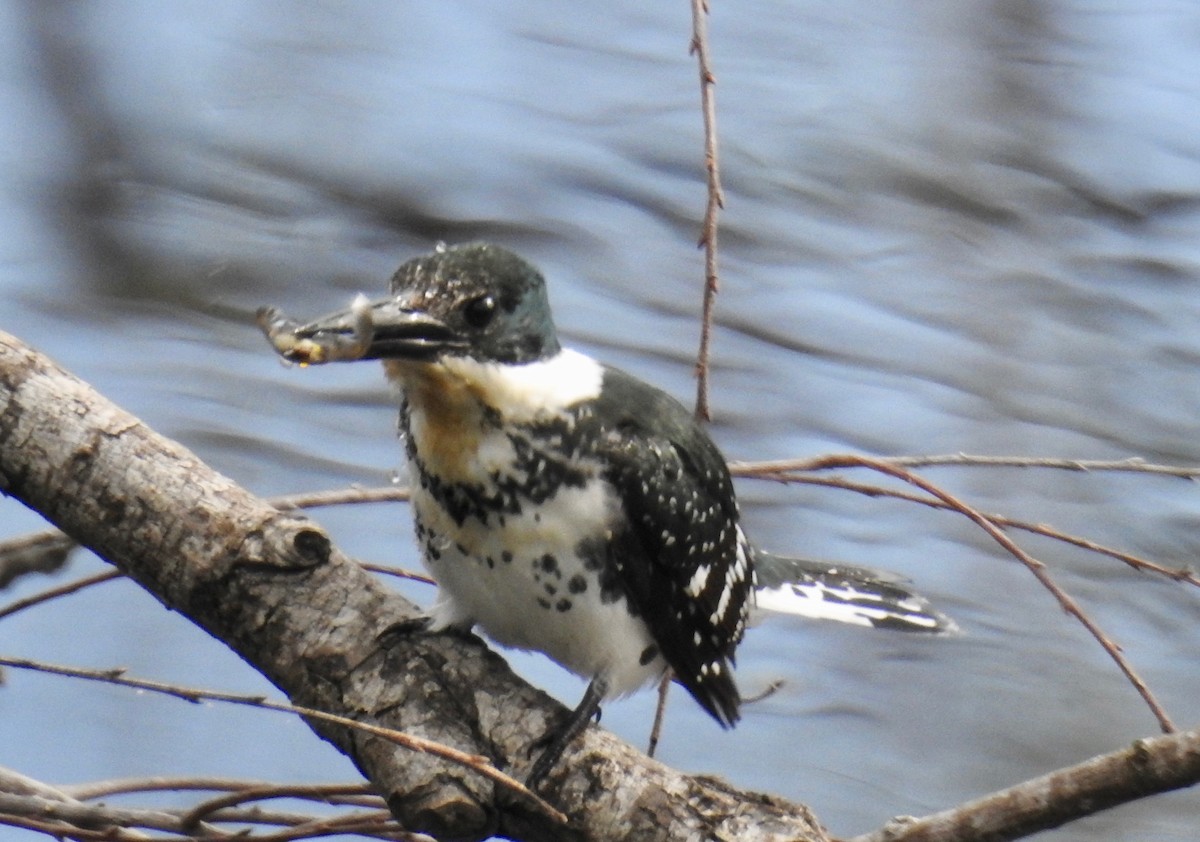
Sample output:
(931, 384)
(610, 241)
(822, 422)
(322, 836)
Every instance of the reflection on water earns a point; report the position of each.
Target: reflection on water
(954, 226)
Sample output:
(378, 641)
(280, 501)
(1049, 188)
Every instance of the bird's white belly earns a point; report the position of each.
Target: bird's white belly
(526, 585)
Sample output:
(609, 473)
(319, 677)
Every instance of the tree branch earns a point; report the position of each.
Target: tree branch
(1148, 767)
(716, 199)
(270, 585)
(1038, 569)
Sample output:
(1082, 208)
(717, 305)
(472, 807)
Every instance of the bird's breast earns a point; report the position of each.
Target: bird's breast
(446, 419)
(539, 578)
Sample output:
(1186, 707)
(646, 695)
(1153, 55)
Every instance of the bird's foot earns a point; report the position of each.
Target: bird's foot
(556, 740)
(420, 624)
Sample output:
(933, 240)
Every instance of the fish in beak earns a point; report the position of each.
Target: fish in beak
(368, 330)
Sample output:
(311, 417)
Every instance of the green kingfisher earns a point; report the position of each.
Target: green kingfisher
(565, 506)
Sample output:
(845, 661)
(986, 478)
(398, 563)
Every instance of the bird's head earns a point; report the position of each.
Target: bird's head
(477, 300)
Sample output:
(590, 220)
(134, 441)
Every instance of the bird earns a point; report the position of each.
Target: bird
(563, 505)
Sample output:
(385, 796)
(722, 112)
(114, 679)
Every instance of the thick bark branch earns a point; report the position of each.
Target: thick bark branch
(270, 585)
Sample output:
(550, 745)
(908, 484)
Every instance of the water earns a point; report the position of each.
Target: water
(955, 226)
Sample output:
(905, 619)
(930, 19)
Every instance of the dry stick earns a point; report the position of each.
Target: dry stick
(398, 572)
(268, 791)
(1148, 766)
(1039, 571)
(78, 820)
(476, 762)
(352, 794)
(376, 823)
(61, 590)
(716, 199)
(363, 825)
(1133, 464)
(341, 496)
(77, 814)
(119, 822)
(1177, 574)
(22, 811)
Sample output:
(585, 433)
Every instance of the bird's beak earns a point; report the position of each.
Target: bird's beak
(367, 330)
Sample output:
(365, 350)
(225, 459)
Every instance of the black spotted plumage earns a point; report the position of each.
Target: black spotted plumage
(681, 515)
(545, 461)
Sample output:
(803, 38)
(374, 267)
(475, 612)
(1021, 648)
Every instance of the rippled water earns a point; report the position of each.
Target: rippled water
(950, 226)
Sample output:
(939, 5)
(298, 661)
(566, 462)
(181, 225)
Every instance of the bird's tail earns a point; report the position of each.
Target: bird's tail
(860, 596)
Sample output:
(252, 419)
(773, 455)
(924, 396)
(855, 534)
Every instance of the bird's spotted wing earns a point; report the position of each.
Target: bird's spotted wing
(683, 561)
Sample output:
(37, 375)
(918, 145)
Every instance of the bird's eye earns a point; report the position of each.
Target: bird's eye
(479, 311)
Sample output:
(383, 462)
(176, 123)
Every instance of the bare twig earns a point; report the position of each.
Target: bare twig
(398, 572)
(355, 794)
(716, 199)
(341, 497)
(14, 782)
(78, 820)
(1036, 567)
(475, 762)
(1149, 766)
(839, 460)
(1178, 574)
(371, 819)
(328, 794)
(115, 821)
(62, 590)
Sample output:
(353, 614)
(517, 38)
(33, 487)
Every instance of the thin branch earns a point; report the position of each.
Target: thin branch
(1149, 766)
(398, 572)
(15, 782)
(1177, 574)
(61, 590)
(842, 460)
(341, 497)
(375, 824)
(475, 762)
(1039, 571)
(77, 815)
(326, 794)
(716, 199)
(65, 830)
(101, 821)
(355, 794)
(371, 819)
